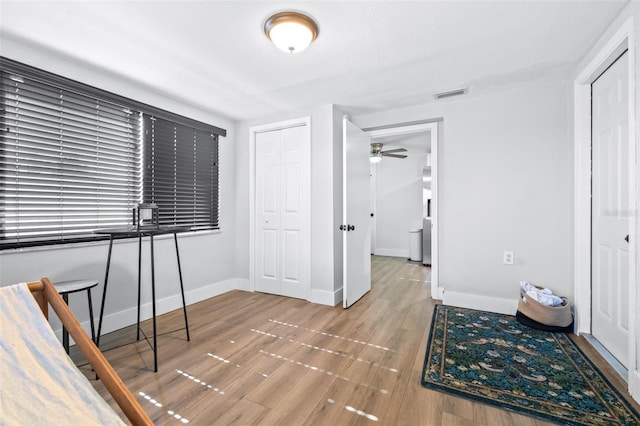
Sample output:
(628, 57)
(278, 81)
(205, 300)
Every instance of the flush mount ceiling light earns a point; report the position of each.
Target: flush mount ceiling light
(290, 31)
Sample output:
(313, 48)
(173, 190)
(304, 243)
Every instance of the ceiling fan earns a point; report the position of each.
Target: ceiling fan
(377, 153)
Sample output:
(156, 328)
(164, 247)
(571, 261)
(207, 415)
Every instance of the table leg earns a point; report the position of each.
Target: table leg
(104, 291)
(139, 283)
(93, 331)
(153, 303)
(184, 304)
(65, 333)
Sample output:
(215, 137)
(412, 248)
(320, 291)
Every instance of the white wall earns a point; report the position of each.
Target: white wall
(505, 182)
(207, 261)
(324, 258)
(398, 202)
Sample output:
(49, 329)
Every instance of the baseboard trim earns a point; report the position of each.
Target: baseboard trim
(634, 385)
(610, 359)
(121, 319)
(323, 297)
(392, 252)
(479, 302)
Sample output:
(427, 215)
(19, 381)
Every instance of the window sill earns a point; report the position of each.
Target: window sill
(69, 246)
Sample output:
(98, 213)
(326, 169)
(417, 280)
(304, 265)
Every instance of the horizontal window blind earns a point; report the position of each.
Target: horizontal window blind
(75, 158)
(181, 173)
(69, 163)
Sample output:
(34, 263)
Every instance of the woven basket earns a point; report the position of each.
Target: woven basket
(559, 316)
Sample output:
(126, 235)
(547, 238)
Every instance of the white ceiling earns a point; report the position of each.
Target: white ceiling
(369, 55)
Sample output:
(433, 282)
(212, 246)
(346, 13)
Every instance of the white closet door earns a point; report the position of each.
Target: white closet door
(282, 212)
(611, 210)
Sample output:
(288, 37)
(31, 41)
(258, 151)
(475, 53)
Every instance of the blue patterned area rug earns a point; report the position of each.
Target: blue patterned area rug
(492, 358)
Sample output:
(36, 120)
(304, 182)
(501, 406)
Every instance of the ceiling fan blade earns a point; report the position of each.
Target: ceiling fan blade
(386, 154)
(396, 150)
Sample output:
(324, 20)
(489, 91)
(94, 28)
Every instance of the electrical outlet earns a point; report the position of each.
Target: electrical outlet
(508, 258)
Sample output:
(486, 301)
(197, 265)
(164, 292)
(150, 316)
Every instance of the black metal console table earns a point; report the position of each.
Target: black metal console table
(134, 232)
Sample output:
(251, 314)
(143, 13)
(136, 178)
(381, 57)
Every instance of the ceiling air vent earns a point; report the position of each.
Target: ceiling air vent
(450, 93)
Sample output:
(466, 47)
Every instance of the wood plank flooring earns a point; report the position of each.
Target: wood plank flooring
(255, 358)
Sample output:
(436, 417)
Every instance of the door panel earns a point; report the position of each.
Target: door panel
(282, 181)
(292, 188)
(356, 213)
(269, 192)
(623, 273)
(604, 267)
(610, 210)
(291, 258)
(269, 250)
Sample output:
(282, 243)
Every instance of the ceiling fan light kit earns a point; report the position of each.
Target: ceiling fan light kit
(377, 153)
(375, 158)
(291, 31)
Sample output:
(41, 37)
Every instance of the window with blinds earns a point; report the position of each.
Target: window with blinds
(181, 173)
(74, 158)
(69, 163)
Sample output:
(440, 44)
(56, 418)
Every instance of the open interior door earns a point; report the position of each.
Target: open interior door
(356, 217)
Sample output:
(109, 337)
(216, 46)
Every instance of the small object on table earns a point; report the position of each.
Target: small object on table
(73, 286)
(146, 215)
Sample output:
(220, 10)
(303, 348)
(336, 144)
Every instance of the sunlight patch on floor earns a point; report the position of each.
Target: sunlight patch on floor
(198, 381)
(151, 400)
(329, 351)
(264, 333)
(219, 358)
(411, 279)
(159, 405)
(356, 411)
(348, 339)
(321, 370)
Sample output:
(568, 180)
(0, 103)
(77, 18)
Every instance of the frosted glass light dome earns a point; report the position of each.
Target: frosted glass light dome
(291, 32)
(375, 158)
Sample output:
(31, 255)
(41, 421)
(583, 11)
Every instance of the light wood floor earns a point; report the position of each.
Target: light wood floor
(255, 358)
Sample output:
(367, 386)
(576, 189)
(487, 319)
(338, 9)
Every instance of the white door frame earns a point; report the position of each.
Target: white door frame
(622, 40)
(305, 252)
(436, 291)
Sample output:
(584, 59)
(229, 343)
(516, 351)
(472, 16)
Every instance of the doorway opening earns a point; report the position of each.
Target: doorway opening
(421, 142)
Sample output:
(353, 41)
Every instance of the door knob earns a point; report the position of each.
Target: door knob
(626, 238)
(342, 227)
(350, 227)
